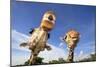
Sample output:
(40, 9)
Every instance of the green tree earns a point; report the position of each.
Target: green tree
(39, 60)
(54, 62)
(61, 60)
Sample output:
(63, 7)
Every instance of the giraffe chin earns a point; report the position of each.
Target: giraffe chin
(72, 46)
(47, 25)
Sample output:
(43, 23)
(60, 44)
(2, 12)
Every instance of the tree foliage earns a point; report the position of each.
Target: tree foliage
(60, 60)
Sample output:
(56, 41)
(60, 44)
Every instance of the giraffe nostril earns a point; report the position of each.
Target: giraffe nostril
(50, 17)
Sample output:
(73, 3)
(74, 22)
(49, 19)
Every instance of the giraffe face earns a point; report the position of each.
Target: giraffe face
(49, 16)
(48, 20)
(72, 38)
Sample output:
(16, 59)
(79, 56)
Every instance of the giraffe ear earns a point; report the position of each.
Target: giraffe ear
(65, 37)
(23, 44)
(48, 35)
(32, 30)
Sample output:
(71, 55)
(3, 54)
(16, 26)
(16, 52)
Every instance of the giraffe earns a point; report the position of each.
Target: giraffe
(39, 36)
(71, 38)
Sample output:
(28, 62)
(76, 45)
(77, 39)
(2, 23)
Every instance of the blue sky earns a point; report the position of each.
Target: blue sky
(27, 15)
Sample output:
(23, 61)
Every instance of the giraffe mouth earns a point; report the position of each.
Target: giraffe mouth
(47, 25)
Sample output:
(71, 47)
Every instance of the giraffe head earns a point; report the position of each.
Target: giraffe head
(72, 38)
(48, 21)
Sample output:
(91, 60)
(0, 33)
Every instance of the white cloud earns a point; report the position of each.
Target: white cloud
(54, 54)
(16, 60)
(61, 44)
(18, 38)
(81, 53)
(81, 56)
